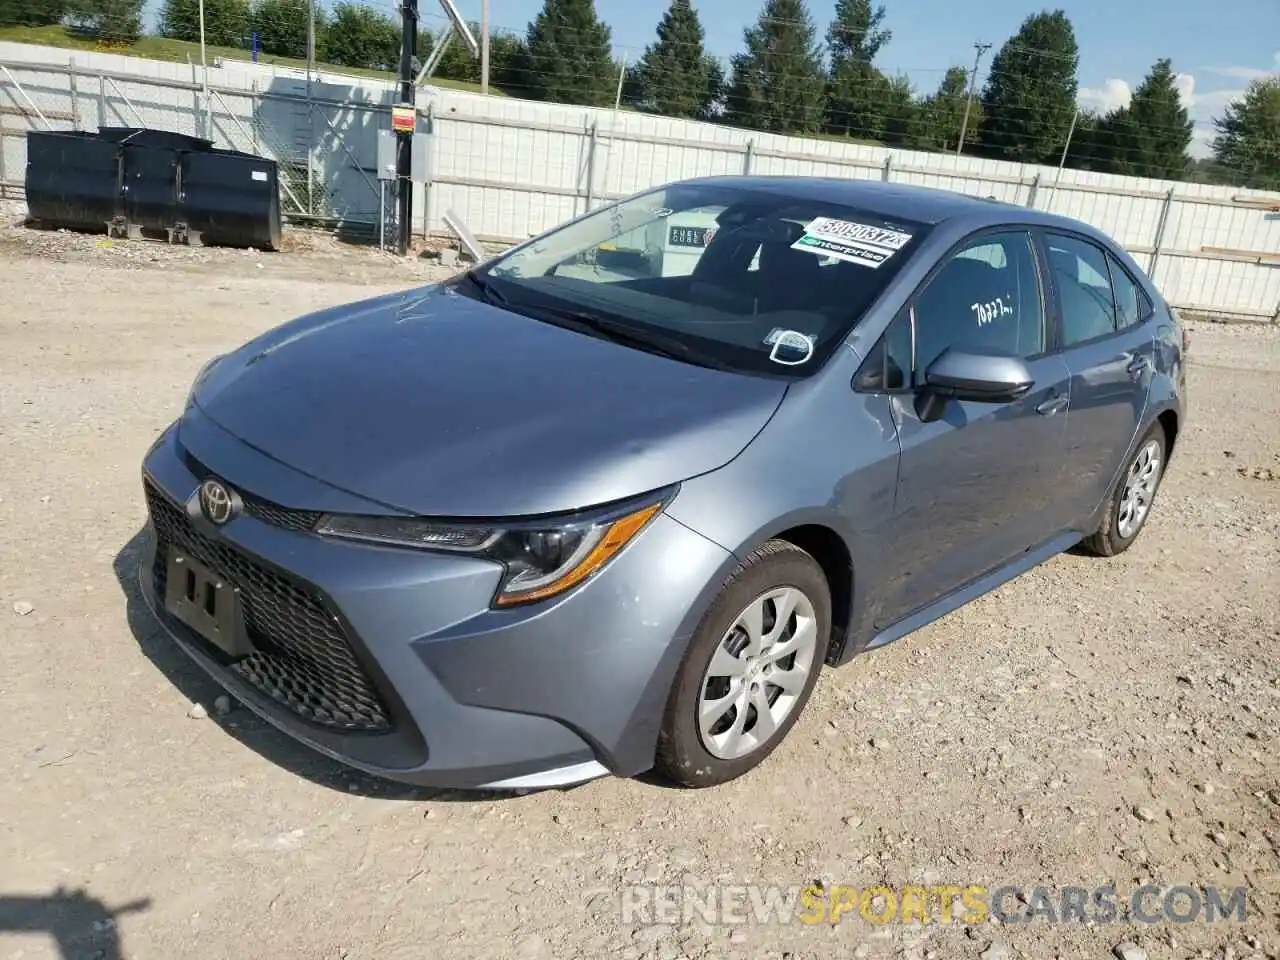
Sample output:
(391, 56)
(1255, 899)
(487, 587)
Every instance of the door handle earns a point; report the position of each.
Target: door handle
(1051, 406)
(1138, 366)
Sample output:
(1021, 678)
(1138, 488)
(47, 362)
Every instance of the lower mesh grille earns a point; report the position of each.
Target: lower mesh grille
(303, 659)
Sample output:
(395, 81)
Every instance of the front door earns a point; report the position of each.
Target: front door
(975, 487)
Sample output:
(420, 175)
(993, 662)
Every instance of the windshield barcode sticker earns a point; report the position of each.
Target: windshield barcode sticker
(858, 243)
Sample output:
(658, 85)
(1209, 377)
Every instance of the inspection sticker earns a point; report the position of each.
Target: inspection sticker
(793, 341)
(858, 243)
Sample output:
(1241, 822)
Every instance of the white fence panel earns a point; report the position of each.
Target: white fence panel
(512, 168)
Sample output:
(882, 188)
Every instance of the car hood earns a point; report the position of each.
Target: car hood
(436, 404)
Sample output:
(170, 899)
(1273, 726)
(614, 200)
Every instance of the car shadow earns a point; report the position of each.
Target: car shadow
(82, 926)
(244, 726)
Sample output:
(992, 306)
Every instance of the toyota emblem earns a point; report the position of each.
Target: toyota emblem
(216, 502)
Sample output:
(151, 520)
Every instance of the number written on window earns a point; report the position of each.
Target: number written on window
(992, 310)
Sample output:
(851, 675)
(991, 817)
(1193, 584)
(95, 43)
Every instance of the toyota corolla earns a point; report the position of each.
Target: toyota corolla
(612, 500)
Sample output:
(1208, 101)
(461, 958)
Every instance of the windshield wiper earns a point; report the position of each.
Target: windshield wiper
(658, 343)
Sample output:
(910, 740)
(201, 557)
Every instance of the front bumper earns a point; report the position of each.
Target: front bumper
(392, 661)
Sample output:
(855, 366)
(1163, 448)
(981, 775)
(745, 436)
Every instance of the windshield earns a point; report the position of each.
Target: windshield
(735, 276)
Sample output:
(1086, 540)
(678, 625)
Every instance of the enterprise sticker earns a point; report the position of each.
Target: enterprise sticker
(858, 243)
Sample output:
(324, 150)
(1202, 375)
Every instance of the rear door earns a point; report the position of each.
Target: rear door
(976, 486)
(1108, 344)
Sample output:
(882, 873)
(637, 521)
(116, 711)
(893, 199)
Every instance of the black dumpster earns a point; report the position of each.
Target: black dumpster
(136, 182)
(231, 199)
(162, 139)
(149, 188)
(72, 180)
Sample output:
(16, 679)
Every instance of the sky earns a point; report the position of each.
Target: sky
(1216, 47)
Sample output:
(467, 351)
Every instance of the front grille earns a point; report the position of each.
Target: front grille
(286, 518)
(277, 515)
(303, 659)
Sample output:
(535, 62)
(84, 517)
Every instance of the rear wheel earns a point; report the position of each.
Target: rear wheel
(1131, 500)
(749, 670)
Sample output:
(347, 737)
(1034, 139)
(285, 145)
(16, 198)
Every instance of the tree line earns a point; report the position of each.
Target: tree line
(787, 79)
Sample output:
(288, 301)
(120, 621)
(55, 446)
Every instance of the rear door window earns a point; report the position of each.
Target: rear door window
(1132, 305)
(1083, 280)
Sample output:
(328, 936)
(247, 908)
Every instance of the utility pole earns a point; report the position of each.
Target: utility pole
(404, 138)
(484, 47)
(981, 48)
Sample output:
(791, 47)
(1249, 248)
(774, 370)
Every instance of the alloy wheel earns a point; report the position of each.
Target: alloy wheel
(1139, 490)
(757, 673)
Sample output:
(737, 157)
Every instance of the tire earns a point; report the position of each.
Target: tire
(778, 573)
(1116, 535)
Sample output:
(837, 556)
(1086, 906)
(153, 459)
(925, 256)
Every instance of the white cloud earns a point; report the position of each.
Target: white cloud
(1112, 95)
(1238, 72)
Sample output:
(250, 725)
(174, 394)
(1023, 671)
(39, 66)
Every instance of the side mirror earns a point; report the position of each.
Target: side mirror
(974, 374)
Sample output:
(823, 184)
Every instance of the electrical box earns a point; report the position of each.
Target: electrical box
(419, 158)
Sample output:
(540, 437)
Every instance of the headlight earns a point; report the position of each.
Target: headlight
(542, 558)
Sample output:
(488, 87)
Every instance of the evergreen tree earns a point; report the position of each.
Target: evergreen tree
(566, 57)
(281, 26)
(1089, 149)
(675, 77)
(855, 87)
(360, 36)
(111, 21)
(1149, 137)
(941, 114)
(778, 81)
(226, 22)
(1247, 146)
(899, 117)
(1030, 96)
(31, 13)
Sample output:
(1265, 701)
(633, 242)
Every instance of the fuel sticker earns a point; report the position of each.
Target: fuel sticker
(859, 243)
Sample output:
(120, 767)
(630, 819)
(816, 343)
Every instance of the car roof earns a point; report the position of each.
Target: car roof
(905, 201)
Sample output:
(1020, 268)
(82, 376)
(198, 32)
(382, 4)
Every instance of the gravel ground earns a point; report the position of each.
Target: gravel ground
(1093, 722)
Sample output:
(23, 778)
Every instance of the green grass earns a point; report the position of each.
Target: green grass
(178, 51)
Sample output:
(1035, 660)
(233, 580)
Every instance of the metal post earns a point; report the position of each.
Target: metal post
(204, 78)
(3, 178)
(404, 145)
(622, 77)
(382, 215)
(591, 163)
(427, 190)
(75, 99)
(750, 160)
(484, 47)
(311, 117)
(102, 101)
(311, 39)
(1062, 161)
(887, 174)
(1031, 194)
(981, 48)
(1160, 227)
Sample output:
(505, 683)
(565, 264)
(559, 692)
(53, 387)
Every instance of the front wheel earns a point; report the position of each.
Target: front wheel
(1131, 500)
(749, 670)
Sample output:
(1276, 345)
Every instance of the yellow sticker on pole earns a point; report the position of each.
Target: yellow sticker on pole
(403, 119)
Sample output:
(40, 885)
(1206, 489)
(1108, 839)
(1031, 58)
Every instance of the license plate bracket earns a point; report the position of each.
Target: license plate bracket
(206, 602)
